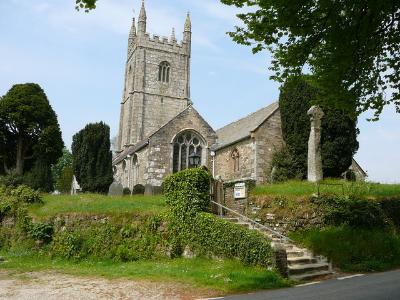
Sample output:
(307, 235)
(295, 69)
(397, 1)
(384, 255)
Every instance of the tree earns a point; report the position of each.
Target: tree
(339, 131)
(87, 5)
(92, 158)
(350, 46)
(29, 130)
(64, 161)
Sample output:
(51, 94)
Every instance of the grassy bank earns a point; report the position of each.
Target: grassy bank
(96, 204)
(357, 250)
(227, 276)
(304, 188)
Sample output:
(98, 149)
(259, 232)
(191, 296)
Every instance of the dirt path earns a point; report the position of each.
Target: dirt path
(57, 286)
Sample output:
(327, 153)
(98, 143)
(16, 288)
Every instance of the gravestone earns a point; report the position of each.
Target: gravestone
(116, 189)
(314, 145)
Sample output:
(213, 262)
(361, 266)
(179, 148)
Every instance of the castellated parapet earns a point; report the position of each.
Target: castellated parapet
(157, 81)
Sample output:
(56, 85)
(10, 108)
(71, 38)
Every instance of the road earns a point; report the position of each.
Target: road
(377, 286)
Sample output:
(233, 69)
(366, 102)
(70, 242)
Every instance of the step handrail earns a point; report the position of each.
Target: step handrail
(253, 222)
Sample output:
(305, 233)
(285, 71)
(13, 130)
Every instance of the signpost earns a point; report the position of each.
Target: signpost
(239, 191)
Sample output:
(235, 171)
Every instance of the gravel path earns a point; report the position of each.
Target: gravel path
(57, 286)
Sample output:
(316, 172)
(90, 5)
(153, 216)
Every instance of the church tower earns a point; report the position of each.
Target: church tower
(157, 81)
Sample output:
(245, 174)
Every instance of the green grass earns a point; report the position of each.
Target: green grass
(226, 276)
(304, 188)
(97, 204)
(351, 249)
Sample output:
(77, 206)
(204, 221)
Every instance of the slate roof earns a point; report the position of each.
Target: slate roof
(243, 128)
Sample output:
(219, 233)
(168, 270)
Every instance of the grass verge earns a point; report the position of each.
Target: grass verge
(96, 204)
(227, 276)
(304, 188)
(354, 250)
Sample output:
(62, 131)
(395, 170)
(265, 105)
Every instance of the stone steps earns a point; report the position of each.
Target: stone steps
(302, 263)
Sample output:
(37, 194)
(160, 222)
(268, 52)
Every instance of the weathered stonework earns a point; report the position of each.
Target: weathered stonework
(314, 145)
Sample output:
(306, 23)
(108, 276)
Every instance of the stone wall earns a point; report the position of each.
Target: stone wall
(160, 148)
(224, 162)
(268, 139)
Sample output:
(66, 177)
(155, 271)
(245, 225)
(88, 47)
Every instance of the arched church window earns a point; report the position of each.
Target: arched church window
(235, 156)
(184, 145)
(164, 70)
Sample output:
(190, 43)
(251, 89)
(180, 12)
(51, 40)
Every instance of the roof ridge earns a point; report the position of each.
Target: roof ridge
(249, 115)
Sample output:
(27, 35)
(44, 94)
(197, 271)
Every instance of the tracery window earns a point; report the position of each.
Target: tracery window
(235, 156)
(185, 144)
(164, 71)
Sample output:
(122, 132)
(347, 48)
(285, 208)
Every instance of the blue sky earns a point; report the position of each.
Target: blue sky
(79, 60)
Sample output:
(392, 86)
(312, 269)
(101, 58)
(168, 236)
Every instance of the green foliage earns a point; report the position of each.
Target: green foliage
(30, 136)
(117, 240)
(338, 137)
(86, 5)
(26, 194)
(92, 158)
(138, 189)
(188, 191)
(285, 166)
(41, 231)
(65, 180)
(208, 235)
(65, 161)
(40, 177)
(355, 250)
(350, 46)
(11, 180)
(352, 211)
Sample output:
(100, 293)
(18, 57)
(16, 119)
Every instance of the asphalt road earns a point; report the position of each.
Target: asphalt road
(378, 286)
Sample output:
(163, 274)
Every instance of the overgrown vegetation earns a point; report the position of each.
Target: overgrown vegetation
(187, 193)
(354, 249)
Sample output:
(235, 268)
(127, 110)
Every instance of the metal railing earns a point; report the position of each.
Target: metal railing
(281, 236)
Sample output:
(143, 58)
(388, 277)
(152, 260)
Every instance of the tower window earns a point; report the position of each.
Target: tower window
(235, 156)
(164, 71)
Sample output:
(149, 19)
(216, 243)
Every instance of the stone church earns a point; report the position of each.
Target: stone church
(160, 131)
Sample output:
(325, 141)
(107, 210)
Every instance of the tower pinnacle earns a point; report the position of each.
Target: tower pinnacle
(142, 19)
(173, 37)
(188, 23)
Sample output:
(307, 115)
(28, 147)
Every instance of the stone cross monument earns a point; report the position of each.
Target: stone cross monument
(314, 145)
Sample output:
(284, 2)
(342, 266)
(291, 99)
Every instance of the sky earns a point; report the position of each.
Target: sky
(79, 61)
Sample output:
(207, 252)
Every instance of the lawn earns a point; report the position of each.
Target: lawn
(98, 204)
(227, 276)
(304, 188)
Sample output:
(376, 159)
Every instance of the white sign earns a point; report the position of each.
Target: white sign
(239, 191)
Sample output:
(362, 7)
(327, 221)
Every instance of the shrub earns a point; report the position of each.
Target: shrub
(356, 250)
(64, 180)
(138, 190)
(285, 166)
(352, 211)
(26, 194)
(12, 180)
(188, 190)
(211, 236)
(41, 231)
(391, 208)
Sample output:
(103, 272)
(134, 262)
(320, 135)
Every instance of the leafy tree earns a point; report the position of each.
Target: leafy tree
(65, 179)
(92, 158)
(339, 131)
(29, 130)
(351, 46)
(64, 161)
(85, 4)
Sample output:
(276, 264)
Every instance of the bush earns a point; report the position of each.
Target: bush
(42, 232)
(64, 180)
(356, 250)
(12, 180)
(188, 190)
(355, 212)
(391, 208)
(285, 166)
(26, 194)
(138, 190)
(212, 236)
